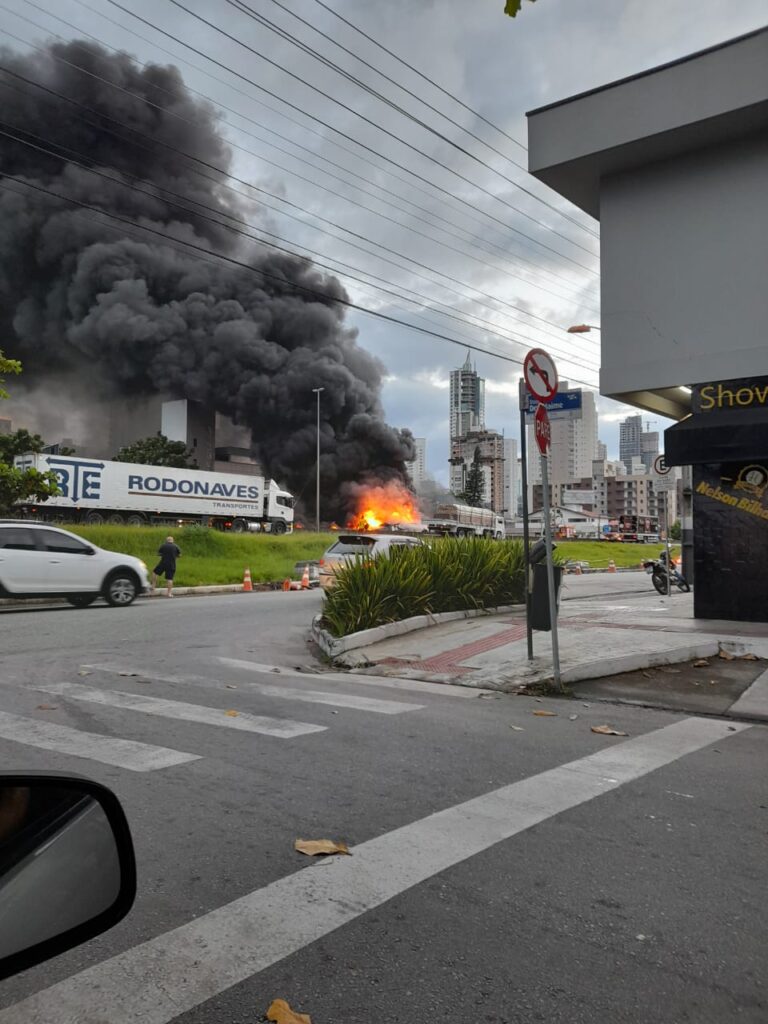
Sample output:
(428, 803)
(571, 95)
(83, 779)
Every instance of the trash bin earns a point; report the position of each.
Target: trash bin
(540, 595)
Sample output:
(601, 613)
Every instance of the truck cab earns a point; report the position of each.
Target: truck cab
(279, 509)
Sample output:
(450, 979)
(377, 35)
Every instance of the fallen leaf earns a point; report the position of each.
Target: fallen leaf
(546, 714)
(701, 663)
(312, 847)
(47, 707)
(586, 705)
(127, 673)
(230, 686)
(281, 1012)
(572, 718)
(231, 714)
(749, 657)
(727, 656)
(517, 728)
(489, 696)
(608, 730)
(84, 672)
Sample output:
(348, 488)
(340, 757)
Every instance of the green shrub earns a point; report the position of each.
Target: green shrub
(447, 575)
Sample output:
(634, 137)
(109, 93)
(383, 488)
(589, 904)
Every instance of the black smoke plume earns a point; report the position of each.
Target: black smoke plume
(139, 315)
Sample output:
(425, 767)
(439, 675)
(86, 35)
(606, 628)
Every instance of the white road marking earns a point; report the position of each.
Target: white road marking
(175, 972)
(136, 757)
(416, 685)
(340, 700)
(283, 728)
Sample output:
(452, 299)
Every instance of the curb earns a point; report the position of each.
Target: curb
(334, 646)
(223, 588)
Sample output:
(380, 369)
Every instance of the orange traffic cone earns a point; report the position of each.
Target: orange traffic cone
(611, 566)
(247, 584)
(305, 578)
(286, 584)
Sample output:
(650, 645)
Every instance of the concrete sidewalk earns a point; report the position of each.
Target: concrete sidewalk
(613, 626)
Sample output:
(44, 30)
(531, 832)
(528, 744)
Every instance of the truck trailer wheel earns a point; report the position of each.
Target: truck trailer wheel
(136, 520)
(115, 519)
(93, 518)
(121, 588)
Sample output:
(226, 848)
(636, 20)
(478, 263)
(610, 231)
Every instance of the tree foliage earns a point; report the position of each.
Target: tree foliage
(512, 7)
(474, 485)
(20, 485)
(156, 451)
(675, 530)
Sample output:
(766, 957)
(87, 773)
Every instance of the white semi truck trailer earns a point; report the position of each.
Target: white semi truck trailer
(98, 491)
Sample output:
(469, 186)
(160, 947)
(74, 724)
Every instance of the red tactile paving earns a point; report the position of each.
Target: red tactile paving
(451, 660)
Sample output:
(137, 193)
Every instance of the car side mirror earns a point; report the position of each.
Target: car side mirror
(90, 551)
(67, 867)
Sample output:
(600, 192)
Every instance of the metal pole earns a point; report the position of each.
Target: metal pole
(550, 572)
(523, 397)
(317, 489)
(669, 554)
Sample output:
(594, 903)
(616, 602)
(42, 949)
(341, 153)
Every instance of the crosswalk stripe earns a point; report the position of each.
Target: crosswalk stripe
(136, 757)
(338, 700)
(282, 728)
(388, 682)
(167, 976)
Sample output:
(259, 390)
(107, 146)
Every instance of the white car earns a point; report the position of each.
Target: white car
(348, 546)
(38, 560)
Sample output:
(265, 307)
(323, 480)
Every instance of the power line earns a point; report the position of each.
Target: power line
(261, 19)
(350, 138)
(421, 75)
(256, 188)
(512, 336)
(345, 198)
(204, 252)
(379, 127)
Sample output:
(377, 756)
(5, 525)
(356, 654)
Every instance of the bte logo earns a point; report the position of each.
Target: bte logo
(77, 478)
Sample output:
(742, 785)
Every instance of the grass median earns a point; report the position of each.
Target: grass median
(600, 552)
(211, 557)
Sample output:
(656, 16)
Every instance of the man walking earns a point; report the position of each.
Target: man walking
(168, 552)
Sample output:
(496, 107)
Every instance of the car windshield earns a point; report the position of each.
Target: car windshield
(352, 545)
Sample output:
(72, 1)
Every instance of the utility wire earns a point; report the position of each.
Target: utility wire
(421, 75)
(350, 138)
(314, 131)
(379, 127)
(204, 253)
(218, 182)
(153, 194)
(261, 19)
(338, 195)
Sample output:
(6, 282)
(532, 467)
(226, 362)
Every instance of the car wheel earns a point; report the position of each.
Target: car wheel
(121, 588)
(278, 526)
(81, 600)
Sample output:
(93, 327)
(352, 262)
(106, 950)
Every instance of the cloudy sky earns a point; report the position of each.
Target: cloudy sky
(426, 211)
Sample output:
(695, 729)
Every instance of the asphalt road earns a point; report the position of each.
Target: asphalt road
(505, 867)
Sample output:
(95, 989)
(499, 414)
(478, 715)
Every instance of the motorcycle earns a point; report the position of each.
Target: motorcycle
(657, 570)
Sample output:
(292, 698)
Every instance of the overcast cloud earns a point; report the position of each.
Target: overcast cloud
(518, 290)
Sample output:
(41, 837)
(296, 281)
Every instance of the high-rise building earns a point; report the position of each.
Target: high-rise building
(490, 448)
(573, 447)
(418, 467)
(649, 448)
(510, 477)
(467, 400)
(602, 451)
(6, 426)
(630, 431)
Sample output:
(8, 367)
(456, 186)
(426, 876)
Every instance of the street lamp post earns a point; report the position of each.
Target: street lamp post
(582, 328)
(316, 391)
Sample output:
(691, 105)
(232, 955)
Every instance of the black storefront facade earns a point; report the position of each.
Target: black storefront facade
(725, 440)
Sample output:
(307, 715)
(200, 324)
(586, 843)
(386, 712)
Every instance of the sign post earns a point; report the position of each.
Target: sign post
(660, 466)
(541, 381)
(523, 396)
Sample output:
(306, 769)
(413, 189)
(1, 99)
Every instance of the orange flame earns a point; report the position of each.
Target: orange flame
(384, 504)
